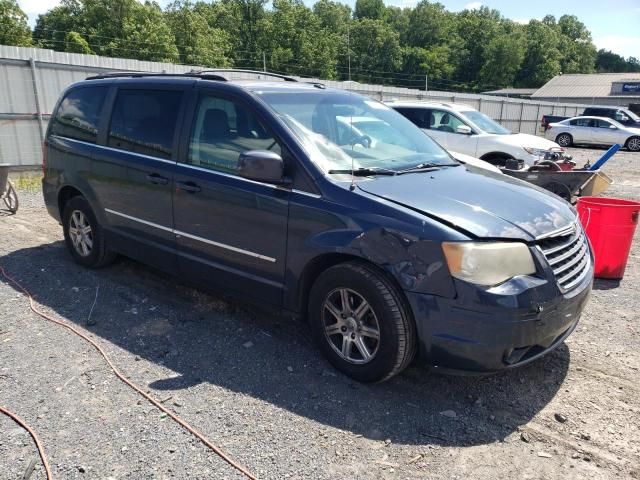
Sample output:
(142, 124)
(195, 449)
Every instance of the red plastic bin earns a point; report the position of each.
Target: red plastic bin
(610, 224)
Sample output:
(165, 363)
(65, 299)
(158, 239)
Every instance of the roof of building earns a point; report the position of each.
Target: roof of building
(512, 91)
(583, 85)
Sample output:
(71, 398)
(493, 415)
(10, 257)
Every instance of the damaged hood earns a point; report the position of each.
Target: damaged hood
(480, 202)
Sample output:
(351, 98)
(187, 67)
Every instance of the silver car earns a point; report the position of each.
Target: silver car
(593, 130)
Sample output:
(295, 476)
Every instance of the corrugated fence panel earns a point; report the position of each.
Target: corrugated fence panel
(26, 151)
(16, 89)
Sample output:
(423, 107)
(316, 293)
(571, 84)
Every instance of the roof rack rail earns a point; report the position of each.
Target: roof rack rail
(286, 78)
(155, 74)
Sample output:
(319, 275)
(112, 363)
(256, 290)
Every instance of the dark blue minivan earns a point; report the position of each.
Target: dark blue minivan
(268, 190)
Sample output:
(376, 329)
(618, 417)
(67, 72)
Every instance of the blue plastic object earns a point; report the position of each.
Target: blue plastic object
(604, 158)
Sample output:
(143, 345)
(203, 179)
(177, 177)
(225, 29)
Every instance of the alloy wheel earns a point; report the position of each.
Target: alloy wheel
(80, 233)
(564, 140)
(634, 144)
(351, 326)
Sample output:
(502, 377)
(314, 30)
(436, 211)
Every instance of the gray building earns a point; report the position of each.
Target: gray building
(593, 89)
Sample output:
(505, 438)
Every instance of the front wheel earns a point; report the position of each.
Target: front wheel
(83, 234)
(361, 323)
(564, 140)
(633, 144)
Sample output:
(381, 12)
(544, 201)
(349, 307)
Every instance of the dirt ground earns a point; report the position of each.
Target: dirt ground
(257, 387)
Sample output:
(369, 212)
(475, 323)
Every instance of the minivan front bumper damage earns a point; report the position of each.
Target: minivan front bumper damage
(488, 332)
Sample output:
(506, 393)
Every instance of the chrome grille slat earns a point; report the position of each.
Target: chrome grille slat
(577, 258)
(567, 253)
(574, 249)
(557, 248)
(581, 264)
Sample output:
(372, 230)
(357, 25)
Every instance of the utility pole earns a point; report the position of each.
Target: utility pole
(264, 62)
(426, 83)
(349, 49)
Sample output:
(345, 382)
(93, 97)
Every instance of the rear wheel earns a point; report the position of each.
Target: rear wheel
(633, 144)
(361, 323)
(83, 234)
(564, 140)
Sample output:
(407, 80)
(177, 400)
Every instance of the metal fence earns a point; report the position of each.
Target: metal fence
(32, 79)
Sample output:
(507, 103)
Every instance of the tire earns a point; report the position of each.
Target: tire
(385, 311)
(633, 144)
(87, 248)
(564, 140)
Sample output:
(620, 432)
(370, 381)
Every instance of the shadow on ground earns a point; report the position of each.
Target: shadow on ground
(203, 339)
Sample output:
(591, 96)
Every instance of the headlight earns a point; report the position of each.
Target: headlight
(488, 263)
(540, 152)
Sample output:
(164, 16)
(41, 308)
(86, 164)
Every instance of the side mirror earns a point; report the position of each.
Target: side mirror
(463, 129)
(261, 166)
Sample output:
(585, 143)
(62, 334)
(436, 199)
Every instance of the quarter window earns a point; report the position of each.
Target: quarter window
(144, 121)
(223, 129)
(78, 115)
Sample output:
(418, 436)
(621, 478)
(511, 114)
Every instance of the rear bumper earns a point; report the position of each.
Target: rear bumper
(501, 331)
(50, 195)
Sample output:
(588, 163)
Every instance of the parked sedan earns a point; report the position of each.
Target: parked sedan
(595, 131)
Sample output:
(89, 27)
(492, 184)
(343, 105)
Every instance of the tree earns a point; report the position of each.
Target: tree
(542, 58)
(197, 42)
(476, 29)
(576, 46)
(375, 51)
(74, 43)
(503, 58)
(372, 9)
(14, 29)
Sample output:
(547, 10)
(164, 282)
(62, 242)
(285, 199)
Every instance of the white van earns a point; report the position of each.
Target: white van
(463, 129)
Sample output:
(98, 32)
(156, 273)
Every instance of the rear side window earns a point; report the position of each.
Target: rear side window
(78, 115)
(144, 121)
(582, 122)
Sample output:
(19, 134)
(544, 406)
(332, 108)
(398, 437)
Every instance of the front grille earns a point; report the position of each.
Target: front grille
(568, 255)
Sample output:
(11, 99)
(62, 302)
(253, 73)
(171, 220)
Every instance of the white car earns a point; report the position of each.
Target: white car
(593, 130)
(463, 129)
(368, 131)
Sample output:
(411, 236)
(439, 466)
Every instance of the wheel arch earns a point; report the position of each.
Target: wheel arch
(323, 262)
(65, 194)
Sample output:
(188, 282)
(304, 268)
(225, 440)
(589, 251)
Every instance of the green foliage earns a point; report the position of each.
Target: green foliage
(13, 25)
(607, 61)
(198, 43)
(372, 9)
(73, 42)
(471, 50)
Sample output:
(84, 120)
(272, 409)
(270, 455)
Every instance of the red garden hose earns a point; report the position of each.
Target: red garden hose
(131, 384)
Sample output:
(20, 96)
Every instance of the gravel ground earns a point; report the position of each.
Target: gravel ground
(256, 386)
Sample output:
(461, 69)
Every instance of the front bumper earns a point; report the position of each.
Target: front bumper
(484, 331)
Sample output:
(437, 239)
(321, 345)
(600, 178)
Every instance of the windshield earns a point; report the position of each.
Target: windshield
(632, 115)
(485, 123)
(338, 129)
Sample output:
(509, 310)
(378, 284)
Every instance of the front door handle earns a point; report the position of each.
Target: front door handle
(157, 179)
(189, 187)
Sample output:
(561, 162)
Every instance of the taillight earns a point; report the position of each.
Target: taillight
(44, 158)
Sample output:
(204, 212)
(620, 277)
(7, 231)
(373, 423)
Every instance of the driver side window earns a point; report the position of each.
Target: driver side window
(222, 130)
(444, 121)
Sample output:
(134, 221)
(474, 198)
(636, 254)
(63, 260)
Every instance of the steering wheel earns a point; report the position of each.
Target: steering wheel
(364, 140)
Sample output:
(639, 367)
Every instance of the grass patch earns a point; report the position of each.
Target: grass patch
(26, 181)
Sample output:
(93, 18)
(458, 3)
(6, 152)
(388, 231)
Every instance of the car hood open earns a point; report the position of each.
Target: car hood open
(481, 203)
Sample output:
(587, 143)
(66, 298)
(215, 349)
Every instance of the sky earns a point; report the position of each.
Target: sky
(614, 24)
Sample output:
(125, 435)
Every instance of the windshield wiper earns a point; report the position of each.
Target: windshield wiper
(365, 172)
(427, 167)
